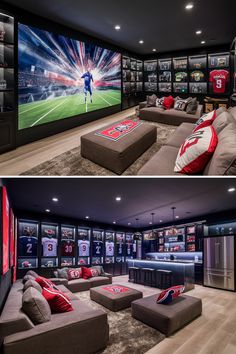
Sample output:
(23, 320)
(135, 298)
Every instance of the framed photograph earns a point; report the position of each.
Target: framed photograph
(5, 230)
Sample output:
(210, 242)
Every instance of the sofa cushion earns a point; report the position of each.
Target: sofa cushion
(180, 134)
(232, 111)
(32, 273)
(221, 122)
(192, 106)
(89, 272)
(45, 283)
(168, 102)
(36, 306)
(74, 273)
(223, 161)
(168, 295)
(62, 273)
(196, 151)
(78, 285)
(205, 120)
(159, 102)
(58, 301)
(32, 283)
(161, 164)
(151, 100)
(26, 278)
(180, 104)
(97, 281)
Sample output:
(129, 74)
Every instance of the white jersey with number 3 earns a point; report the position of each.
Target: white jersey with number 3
(49, 247)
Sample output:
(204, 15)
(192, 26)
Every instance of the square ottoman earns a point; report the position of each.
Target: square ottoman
(117, 146)
(115, 297)
(167, 318)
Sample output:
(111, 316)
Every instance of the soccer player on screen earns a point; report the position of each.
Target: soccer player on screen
(88, 77)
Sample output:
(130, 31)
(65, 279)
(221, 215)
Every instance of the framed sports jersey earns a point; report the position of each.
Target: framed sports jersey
(198, 88)
(83, 244)
(150, 65)
(139, 65)
(28, 240)
(219, 81)
(197, 76)
(120, 247)
(97, 246)
(12, 238)
(197, 62)
(4, 229)
(218, 60)
(67, 246)
(126, 62)
(129, 246)
(49, 240)
(164, 64)
(109, 247)
(133, 64)
(180, 63)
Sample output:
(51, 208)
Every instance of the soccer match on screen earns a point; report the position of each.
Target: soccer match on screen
(61, 77)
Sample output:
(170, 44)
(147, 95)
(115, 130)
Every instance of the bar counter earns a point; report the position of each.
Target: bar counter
(183, 272)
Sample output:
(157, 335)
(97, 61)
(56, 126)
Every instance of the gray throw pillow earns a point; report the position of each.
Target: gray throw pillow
(151, 100)
(192, 106)
(32, 273)
(27, 277)
(36, 306)
(99, 269)
(34, 285)
(221, 122)
(63, 273)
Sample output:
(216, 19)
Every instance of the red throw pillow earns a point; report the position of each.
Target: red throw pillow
(57, 300)
(74, 273)
(196, 151)
(168, 295)
(168, 102)
(45, 283)
(205, 120)
(89, 272)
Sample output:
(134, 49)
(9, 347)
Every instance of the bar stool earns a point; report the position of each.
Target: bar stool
(149, 275)
(134, 274)
(164, 278)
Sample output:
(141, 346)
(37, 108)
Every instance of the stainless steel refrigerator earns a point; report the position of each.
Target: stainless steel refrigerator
(219, 262)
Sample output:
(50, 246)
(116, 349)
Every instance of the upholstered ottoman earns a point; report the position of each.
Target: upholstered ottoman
(167, 318)
(115, 297)
(117, 146)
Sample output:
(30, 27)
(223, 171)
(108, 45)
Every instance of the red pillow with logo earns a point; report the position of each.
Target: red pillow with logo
(205, 120)
(168, 102)
(45, 283)
(168, 295)
(57, 300)
(74, 273)
(89, 272)
(196, 151)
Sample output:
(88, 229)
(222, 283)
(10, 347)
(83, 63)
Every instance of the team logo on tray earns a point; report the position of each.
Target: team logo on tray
(119, 130)
(115, 289)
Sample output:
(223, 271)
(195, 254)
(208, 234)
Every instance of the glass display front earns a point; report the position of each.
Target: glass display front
(83, 246)
(97, 247)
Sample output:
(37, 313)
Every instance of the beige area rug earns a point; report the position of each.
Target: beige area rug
(71, 163)
(126, 334)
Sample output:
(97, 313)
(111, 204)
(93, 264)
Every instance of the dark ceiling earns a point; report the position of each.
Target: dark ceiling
(78, 197)
(164, 25)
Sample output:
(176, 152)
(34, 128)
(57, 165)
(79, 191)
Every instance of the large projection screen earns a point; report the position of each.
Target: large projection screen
(60, 77)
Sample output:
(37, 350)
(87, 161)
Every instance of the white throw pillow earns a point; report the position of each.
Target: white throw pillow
(205, 120)
(159, 102)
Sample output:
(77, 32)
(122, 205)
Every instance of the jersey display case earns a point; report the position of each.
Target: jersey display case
(149, 241)
(83, 246)
(67, 246)
(191, 238)
(120, 247)
(180, 79)
(49, 242)
(198, 74)
(97, 246)
(28, 235)
(129, 240)
(109, 247)
(219, 73)
(132, 81)
(150, 76)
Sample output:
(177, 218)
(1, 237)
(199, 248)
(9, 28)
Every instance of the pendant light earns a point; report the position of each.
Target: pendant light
(137, 234)
(152, 214)
(173, 216)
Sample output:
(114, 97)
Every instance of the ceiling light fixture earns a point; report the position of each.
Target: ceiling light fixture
(117, 27)
(55, 199)
(160, 220)
(231, 189)
(150, 223)
(198, 32)
(118, 199)
(154, 50)
(47, 210)
(189, 6)
(114, 222)
(203, 42)
(177, 217)
(86, 217)
(129, 223)
(141, 41)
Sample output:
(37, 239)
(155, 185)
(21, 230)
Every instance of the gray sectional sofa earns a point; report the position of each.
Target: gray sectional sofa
(170, 116)
(223, 161)
(65, 333)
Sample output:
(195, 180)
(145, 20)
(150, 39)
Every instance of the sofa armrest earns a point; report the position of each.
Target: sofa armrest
(142, 104)
(109, 276)
(59, 281)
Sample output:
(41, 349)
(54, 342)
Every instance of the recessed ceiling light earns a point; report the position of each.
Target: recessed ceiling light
(118, 199)
(189, 6)
(203, 42)
(177, 217)
(141, 41)
(154, 50)
(198, 32)
(150, 223)
(117, 27)
(55, 199)
(47, 210)
(231, 189)
(114, 222)
(86, 217)
(129, 223)
(160, 220)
